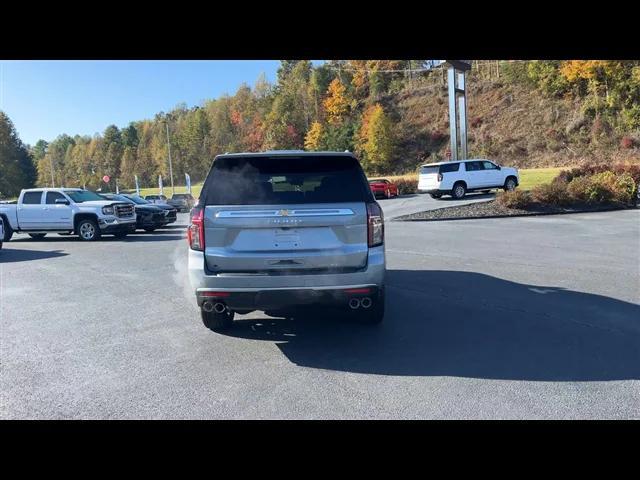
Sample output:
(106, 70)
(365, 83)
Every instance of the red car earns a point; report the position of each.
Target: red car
(382, 187)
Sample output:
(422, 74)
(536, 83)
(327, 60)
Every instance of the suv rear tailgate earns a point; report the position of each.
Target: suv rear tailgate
(286, 238)
(428, 177)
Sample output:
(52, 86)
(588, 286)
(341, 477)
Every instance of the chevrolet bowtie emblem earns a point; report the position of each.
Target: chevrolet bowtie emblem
(284, 213)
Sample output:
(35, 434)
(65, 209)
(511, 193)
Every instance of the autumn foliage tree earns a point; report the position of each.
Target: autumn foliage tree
(375, 139)
(16, 166)
(337, 103)
(314, 137)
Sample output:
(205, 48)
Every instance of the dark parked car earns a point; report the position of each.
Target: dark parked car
(182, 201)
(172, 212)
(156, 199)
(148, 217)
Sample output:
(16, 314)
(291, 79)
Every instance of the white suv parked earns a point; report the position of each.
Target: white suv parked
(459, 177)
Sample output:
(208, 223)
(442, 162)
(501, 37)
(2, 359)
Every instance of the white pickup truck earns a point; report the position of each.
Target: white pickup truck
(39, 211)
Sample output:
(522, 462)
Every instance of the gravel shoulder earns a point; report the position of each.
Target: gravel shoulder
(491, 209)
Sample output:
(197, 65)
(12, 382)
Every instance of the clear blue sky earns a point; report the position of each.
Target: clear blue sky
(47, 98)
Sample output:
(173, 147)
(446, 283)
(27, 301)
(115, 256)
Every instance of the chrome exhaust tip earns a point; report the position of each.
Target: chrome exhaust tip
(219, 307)
(366, 302)
(354, 303)
(207, 306)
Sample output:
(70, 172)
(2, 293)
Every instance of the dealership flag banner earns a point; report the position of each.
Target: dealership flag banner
(137, 185)
(160, 184)
(188, 179)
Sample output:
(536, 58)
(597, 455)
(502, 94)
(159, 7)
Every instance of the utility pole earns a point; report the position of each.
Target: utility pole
(173, 190)
(458, 107)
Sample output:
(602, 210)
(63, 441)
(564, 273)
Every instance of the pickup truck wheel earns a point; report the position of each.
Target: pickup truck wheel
(37, 236)
(88, 230)
(8, 232)
(217, 321)
(458, 191)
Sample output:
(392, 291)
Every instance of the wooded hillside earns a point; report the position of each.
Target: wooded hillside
(393, 114)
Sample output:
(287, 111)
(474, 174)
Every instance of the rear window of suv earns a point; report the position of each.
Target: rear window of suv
(449, 167)
(278, 180)
(443, 168)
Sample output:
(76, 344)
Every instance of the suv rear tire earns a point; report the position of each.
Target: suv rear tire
(458, 191)
(217, 321)
(510, 184)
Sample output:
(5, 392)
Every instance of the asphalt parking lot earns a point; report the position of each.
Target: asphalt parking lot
(494, 318)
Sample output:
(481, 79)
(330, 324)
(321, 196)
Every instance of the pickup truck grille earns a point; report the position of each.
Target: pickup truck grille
(124, 211)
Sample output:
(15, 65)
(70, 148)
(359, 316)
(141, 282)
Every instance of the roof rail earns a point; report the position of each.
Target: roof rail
(285, 151)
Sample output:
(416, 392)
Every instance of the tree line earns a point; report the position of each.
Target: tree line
(17, 169)
(338, 105)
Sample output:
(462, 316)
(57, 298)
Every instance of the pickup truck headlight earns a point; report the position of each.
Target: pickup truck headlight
(107, 210)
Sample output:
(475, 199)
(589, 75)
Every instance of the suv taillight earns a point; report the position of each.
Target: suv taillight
(375, 225)
(195, 233)
(439, 177)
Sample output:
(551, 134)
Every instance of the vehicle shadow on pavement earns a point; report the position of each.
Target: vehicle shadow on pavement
(12, 255)
(132, 237)
(465, 324)
(148, 237)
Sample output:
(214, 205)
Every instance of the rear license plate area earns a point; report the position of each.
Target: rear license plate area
(286, 239)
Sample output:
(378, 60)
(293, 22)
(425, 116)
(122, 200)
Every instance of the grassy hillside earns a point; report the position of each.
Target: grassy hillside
(509, 123)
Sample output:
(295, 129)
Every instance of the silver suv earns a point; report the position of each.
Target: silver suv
(284, 229)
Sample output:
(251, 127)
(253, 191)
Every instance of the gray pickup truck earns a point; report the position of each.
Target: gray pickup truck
(39, 211)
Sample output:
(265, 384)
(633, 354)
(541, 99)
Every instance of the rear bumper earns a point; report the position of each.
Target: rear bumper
(305, 288)
(433, 190)
(277, 298)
